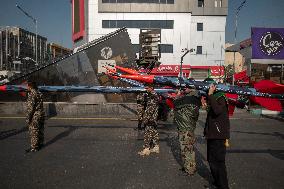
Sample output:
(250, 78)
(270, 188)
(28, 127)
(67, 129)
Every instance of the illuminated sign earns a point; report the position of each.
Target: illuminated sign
(268, 43)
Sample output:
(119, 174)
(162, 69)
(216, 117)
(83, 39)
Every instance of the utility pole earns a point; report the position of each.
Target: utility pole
(186, 51)
(235, 41)
(35, 22)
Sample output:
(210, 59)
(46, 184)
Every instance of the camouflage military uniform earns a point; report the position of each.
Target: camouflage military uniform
(151, 135)
(140, 108)
(186, 114)
(35, 118)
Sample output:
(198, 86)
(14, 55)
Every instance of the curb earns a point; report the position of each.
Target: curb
(268, 114)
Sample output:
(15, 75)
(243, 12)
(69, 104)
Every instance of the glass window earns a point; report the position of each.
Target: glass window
(169, 24)
(200, 3)
(160, 24)
(199, 26)
(112, 24)
(105, 24)
(123, 23)
(216, 3)
(170, 2)
(140, 1)
(199, 50)
(156, 24)
(154, 1)
(166, 48)
(221, 3)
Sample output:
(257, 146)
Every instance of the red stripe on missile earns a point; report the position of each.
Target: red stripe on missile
(141, 78)
(110, 70)
(3, 88)
(127, 70)
(112, 76)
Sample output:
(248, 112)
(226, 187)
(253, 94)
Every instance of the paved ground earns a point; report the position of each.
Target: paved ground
(102, 153)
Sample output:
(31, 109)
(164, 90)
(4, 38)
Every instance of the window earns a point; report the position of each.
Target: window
(199, 50)
(140, 1)
(170, 1)
(112, 24)
(200, 3)
(199, 26)
(159, 24)
(163, 48)
(166, 48)
(105, 24)
(109, 1)
(220, 3)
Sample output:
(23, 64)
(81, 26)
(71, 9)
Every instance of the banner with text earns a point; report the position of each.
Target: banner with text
(267, 43)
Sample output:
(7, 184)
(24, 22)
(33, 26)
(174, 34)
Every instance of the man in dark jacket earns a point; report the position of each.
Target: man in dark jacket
(217, 130)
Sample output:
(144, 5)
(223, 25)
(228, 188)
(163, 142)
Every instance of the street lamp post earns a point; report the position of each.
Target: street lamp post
(35, 22)
(235, 40)
(186, 51)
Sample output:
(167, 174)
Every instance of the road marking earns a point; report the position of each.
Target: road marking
(109, 118)
(72, 118)
(249, 118)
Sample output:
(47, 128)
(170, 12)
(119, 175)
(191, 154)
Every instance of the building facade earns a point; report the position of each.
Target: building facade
(190, 24)
(235, 59)
(56, 51)
(18, 50)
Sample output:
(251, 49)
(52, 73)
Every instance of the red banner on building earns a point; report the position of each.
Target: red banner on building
(174, 70)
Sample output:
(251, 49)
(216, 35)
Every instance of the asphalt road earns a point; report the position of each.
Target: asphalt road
(102, 153)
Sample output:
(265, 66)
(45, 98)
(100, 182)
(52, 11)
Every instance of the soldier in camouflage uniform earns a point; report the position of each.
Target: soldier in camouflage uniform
(186, 114)
(141, 104)
(151, 135)
(35, 117)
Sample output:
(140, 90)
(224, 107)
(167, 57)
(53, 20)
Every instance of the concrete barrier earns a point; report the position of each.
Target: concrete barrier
(115, 110)
(265, 112)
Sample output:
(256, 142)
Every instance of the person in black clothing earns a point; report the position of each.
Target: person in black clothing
(217, 130)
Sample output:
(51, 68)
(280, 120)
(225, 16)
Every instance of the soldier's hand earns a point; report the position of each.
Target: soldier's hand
(204, 106)
(211, 89)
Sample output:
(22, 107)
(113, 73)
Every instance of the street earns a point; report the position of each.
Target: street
(102, 153)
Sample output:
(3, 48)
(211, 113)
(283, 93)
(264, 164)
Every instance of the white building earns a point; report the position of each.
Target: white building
(191, 24)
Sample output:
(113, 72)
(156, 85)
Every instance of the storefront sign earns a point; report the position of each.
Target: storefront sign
(267, 43)
(168, 68)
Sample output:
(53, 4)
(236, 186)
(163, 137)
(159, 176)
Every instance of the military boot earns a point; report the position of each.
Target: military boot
(227, 144)
(145, 152)
(155, 149)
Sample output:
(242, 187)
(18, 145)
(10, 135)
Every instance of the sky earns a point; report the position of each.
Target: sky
(54, 17)
(255, 13)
